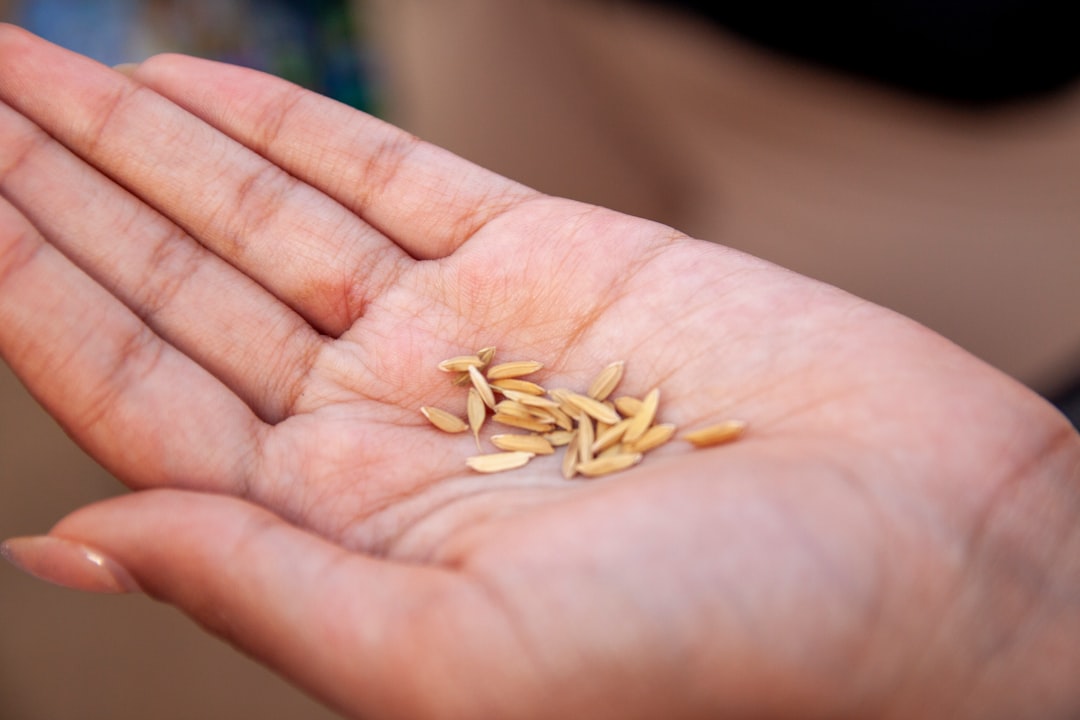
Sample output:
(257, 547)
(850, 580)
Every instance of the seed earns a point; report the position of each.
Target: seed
(558, 438)
(447, 422)
(512, 407)
(527, 423)
(514, 369)
(570, 459)
(652, 438)
(608, 464)
(715, 434)
(606, 381)
(498, 462)
(486, 355)
(518, 385)
(644, 417)
(477, 413)
(595, 408)
(482, 387)
(536, 401)
(610, 437)
(613, 450)
(586, 437)
(628, 406)
(461, 363)
(535, 444)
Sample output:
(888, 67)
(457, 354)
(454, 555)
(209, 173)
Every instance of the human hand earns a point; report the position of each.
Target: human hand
(234, 294)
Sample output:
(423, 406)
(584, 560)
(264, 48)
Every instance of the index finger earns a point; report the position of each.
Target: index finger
(425, 198)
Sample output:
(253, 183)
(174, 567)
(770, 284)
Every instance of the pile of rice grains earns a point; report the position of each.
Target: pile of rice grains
(600, 436)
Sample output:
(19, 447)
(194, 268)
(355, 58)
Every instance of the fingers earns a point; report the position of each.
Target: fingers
(200, 304)
(423, 197)
(302, 246)
(140, 407)
(347, 627)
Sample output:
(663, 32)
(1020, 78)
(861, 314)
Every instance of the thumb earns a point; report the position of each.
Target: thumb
(346, 627)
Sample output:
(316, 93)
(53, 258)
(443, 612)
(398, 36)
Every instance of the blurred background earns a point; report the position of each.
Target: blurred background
(925, 156)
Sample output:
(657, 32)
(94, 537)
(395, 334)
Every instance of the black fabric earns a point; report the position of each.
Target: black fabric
(1068, 402)
(969, 51)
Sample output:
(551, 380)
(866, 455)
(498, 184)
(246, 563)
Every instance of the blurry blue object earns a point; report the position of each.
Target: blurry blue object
(309, 43)
(101, 29)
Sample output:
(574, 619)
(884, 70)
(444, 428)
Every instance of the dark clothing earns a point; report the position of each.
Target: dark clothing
(1068, 402)
(969, 51)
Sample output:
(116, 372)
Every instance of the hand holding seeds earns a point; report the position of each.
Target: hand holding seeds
(244, 337)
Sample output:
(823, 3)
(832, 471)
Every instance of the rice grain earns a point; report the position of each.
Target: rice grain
(651, 439)
(513, 369)
(482, 387)
(461, 363)
(716, 434)
(526, 423)
(498, 462)
(644, 417)
(517, 385)
(594, 408)
(477, 412)
(628, 406)
(608, 464)
(445, 421)
(606, 381)
(536, 444)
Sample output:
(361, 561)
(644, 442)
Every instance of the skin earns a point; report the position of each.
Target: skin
(234, 293)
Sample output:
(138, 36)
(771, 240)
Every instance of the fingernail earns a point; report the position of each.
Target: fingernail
(66, 563)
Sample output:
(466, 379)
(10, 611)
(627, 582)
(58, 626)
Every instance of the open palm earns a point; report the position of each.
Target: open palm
(225, 286)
